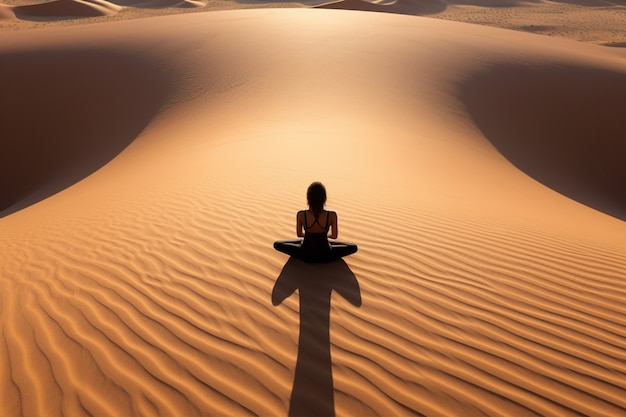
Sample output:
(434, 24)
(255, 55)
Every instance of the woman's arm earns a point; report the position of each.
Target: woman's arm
(300, 223)
(334, 231)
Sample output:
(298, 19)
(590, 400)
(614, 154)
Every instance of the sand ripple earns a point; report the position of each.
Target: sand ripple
(150, 287)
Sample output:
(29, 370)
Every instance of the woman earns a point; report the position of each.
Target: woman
(314, 226)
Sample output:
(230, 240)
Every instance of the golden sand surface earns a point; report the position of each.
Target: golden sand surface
(148, 165)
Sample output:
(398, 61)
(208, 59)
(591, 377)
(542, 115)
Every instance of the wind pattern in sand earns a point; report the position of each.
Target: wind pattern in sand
(145, 288)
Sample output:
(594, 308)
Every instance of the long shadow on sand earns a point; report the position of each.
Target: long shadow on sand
(312, 393)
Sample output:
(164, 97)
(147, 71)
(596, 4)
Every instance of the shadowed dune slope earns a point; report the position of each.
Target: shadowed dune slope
(66, 8)
(149, 284)
(563, 126)
(67, 112)
(415, 7)
(160, 3)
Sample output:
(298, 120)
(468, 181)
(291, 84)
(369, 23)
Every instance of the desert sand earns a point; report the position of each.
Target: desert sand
(148, 165)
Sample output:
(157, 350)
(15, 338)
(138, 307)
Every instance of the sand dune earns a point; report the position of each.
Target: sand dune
(73, 109)
(594, 21)
(62, 8)
(6, 12)
(152, 167)
(413, 7)
(160, 3)
(51, 11)
(556, 126)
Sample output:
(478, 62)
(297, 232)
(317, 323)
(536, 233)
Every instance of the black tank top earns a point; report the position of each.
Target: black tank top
(315, 244)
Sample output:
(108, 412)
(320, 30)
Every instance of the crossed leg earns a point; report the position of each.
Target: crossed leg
(294, 248)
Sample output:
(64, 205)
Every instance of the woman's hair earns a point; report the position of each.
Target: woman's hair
(316, 197)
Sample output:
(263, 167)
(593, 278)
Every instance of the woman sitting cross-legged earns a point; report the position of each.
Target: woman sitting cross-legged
(314, 226)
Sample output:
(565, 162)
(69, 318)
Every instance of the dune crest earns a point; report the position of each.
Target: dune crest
(6, 12)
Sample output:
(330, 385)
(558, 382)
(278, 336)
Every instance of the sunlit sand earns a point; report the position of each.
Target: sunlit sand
(149, 164)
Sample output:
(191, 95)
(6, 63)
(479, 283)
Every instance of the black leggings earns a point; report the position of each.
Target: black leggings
(294, 248)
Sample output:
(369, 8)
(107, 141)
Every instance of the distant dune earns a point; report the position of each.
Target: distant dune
(413, 7)
(599, 22)
(75, 8)
(55, 10)
(149, 165)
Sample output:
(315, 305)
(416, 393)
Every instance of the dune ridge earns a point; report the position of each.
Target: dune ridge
(66, 8)
(145, 286)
